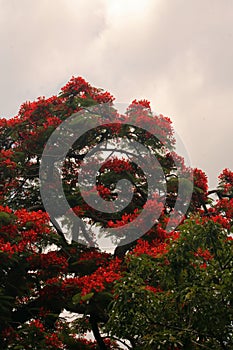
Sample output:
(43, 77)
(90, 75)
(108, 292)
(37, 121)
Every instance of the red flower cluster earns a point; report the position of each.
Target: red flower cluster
(37, 325)
(158, 126)
(97, 281)
(50, 261)
(97, 257)
(204, 254)
(126, 218)
(144, 104)
(52, 289)
(200, 188)
(226, 181)
(37, 220)
(79, 87)
(225, 206)
(21, 230)
(105, 192)
(53, 341)
(117, 165)
(213, 216)
(153, 289)
(200, 180)
(155, 251)
(6, 157)
(224, 222)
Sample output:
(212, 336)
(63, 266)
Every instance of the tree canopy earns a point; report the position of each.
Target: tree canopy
(166, 285)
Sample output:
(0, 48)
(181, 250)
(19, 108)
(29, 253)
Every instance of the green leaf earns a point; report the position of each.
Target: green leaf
(76, 298)
(5, 218)
(87, 297)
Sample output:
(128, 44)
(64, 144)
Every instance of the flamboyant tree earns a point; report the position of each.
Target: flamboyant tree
(166, 286)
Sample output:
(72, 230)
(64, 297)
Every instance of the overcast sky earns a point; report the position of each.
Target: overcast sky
(176, 53)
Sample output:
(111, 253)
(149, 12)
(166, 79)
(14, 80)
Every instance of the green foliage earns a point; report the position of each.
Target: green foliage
(193, 307)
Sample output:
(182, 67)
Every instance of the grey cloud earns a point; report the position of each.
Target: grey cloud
(43, 43)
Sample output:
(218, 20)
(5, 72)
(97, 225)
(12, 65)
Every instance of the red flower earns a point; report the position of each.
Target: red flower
(153, 289)
(205, 254)
(97, 281)
(117, 165)
(37, 324)
(53, 340)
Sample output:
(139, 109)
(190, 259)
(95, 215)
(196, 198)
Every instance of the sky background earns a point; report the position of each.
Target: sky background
(176, 53)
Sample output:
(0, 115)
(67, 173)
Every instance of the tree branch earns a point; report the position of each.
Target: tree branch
(96, 333)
